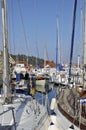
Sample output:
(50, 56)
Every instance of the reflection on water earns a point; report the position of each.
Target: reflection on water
(43, 98)
(40, 97)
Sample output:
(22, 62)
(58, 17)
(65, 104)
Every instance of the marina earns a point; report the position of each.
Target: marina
(37, 93)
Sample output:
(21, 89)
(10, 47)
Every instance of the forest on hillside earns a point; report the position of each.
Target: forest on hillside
(32, 60)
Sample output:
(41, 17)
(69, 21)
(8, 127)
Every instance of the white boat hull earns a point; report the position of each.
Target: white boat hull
(42, 85)
(28, 114)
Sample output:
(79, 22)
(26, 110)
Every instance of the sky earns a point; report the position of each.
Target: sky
(33, 27)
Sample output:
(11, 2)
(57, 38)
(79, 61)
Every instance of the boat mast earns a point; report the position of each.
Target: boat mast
(72, 38)
(57, 47)
(84, 82)
(6, 88)
(58, 57)
(85, 37)
(81, 42)
(37, 54)
(44, 55)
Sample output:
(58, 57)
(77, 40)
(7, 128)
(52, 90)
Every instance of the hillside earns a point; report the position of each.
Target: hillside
(32, 60)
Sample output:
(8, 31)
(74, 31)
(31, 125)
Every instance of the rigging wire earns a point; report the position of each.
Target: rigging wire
(24, 32)
(36, 31)
(13, 32)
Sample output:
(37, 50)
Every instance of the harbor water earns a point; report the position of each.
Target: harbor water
(45, 98)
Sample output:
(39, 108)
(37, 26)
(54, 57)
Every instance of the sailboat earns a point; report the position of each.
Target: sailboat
(42, 77)
(59, 76)
(18, 111)
(72, 101)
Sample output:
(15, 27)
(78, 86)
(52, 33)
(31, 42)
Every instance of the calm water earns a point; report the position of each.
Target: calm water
(45, 99)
